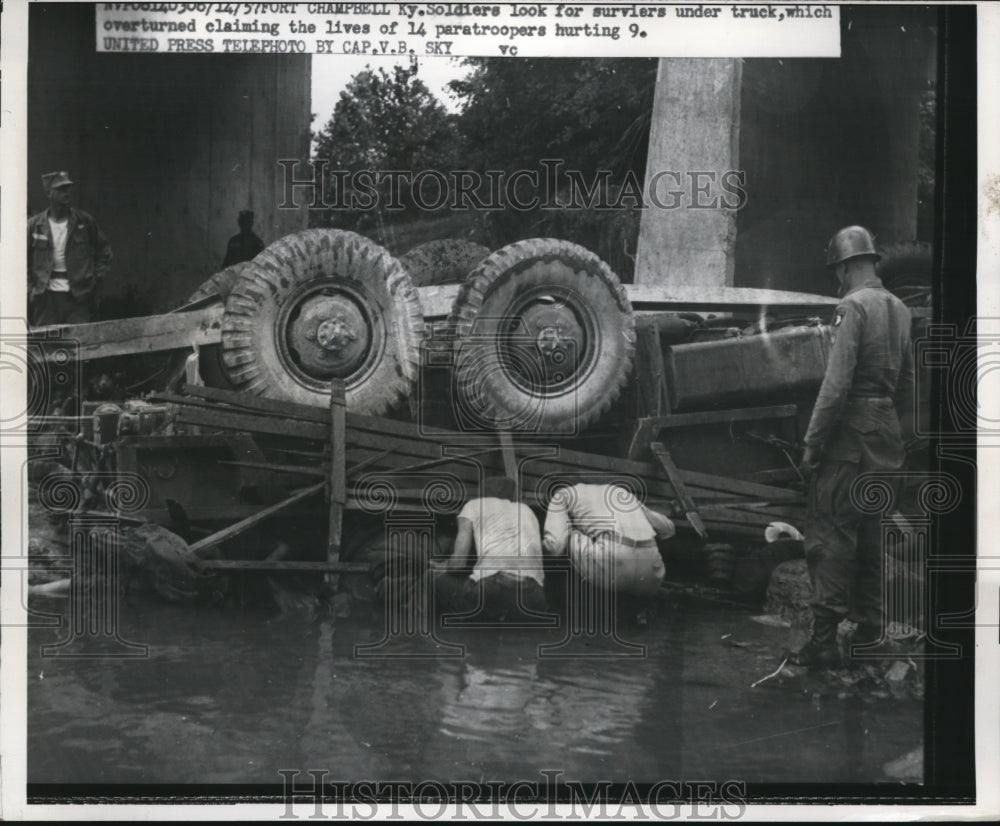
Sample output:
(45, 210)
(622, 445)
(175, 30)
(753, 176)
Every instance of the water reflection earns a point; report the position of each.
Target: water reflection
(229, 697)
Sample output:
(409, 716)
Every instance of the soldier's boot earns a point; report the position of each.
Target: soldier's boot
(821, 651)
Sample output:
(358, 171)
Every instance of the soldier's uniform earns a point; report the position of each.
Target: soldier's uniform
(855, 429)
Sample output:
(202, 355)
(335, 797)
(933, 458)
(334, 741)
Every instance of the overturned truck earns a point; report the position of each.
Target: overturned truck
(327, 389)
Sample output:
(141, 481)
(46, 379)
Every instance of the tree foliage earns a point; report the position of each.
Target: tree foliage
(383, 121)
(591, 113)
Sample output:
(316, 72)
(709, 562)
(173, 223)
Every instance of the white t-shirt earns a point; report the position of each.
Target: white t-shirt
(59, 284)
(507, 538)
(592, 510)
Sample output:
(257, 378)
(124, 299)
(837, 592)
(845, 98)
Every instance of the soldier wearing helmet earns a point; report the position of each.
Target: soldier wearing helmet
(854, 429)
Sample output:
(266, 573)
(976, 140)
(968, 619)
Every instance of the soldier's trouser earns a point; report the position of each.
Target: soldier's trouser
(843, 549)
(844, 545)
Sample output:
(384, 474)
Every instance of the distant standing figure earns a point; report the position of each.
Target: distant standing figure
(245, 245)
(68, 257)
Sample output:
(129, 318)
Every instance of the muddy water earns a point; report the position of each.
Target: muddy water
(234, 697)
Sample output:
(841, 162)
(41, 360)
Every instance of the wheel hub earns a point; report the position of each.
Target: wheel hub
(552, 330)
(330, 336)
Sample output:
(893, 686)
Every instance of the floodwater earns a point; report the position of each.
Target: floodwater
(234, 696)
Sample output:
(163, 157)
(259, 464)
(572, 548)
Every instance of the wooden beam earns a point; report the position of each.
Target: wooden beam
(650, 373)
(663, 455)
(260, 404)
(131, 336)
(437, 301)
(259, 516)
(230, 420)
(283, 566)
(302, 470)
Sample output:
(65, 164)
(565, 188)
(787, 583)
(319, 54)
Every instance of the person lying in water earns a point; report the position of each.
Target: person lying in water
(507, 577)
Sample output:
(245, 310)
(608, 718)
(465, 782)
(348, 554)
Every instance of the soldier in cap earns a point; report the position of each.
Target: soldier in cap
(855, 428)
(245, 245)
(68, 256)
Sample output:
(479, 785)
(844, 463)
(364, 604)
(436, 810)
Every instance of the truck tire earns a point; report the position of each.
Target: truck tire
(210, 365)
(323, 304)
(220, 284)
(544, 339)
(906, 270)
(447, 261)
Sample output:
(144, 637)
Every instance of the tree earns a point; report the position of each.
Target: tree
(383, 121)
(592, 115)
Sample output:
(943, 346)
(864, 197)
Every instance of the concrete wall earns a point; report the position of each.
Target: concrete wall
(696, 120)
(165, 150)
(823, 143)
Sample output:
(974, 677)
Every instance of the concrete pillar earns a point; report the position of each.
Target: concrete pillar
(902, 50)
(695, 128)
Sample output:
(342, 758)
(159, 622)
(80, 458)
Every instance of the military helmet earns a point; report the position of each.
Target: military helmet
(850, 242)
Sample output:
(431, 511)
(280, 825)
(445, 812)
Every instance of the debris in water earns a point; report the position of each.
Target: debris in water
(908, 768)
(772, 620)
(769, 676)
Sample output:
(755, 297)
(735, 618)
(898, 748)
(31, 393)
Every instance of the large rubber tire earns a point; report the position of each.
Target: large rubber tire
(906, 270)
(318, 304)
(447, 261)
(210, 365)
(220, 284)
(544, 339)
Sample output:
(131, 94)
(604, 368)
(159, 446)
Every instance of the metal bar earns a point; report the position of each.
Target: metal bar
(244, 524)
(690, 511)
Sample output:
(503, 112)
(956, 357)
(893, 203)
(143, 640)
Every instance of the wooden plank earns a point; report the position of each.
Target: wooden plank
(302, 470)
(650, 373)
(129, 336)
(284, 566)
(229, 420)
(250, 521)
(742, 414)
(751, 489)
(690, 511)
(646, 297)
(437, 301)
(648, 429)
(365, 463)
(746, 517)
(260, 404)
